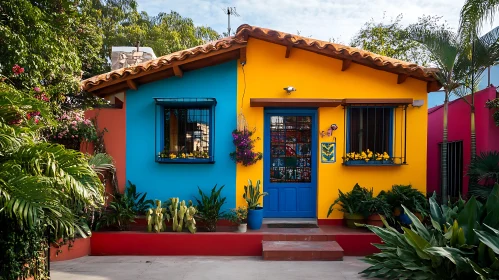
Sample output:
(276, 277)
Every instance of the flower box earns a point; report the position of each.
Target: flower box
(369, 163)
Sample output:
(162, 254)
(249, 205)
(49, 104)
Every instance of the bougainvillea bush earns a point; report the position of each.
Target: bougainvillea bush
(72, 129)
(244, 153)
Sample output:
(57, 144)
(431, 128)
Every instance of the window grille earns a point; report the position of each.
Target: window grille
(186, 129)
(375, 135)
(454, 167)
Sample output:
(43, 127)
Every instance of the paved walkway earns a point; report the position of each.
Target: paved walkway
(202, 268)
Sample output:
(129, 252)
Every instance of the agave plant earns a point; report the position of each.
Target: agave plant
(252, 194)
(459, 244)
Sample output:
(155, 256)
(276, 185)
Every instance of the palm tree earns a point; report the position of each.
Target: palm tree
(447, 51)
(483, 53)
(473, 14)
(41, 184)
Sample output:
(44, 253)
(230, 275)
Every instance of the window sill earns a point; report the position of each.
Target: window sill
(371, 163)
(186, 160)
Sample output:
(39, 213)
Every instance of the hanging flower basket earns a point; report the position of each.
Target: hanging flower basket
(244, 153)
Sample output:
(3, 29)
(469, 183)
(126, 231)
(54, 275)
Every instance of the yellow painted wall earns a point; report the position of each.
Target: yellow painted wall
(267, 72)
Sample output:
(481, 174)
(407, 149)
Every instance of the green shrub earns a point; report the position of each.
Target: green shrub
(461, 243)
(483, 173)
(377, 205)
(22, 250)
(209, 207)
(411, 198)
(351, 202)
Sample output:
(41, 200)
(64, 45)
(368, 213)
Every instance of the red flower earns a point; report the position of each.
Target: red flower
(18, 70)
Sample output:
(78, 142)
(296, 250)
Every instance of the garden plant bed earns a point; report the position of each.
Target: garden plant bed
(225, 242)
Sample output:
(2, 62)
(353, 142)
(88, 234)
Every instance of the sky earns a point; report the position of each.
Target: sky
(338, 20)
(320, 19)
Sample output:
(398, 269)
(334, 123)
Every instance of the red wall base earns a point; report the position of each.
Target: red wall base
(176, 244)
(78, 249)
(358, 245)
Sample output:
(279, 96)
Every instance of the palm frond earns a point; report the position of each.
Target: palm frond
(101, 163)
(445, 48)
(474, 13)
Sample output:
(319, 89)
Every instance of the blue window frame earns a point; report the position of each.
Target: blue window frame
(369, 129)
(185, 130)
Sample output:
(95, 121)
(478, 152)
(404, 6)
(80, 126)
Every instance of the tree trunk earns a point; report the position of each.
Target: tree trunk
(443, 159)
(473, 133)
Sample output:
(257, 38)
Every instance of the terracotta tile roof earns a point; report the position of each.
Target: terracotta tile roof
(160, 62)
(244, 32)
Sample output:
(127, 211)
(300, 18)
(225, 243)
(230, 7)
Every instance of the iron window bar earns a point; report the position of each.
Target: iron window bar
(397, 153)
(186, 128)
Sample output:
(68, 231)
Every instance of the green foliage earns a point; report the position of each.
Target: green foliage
(352, 201)
(156, 218)
(137, 201)
(483, 173)
(390, 39)
(237, 216)
(21, 246)
(252, 194)
(209, 207)
(118, 214)
(461, 243)
(494, 105)
(377, 205)
(41, 184)
(121, 212)
(182, 215)
(411, 198)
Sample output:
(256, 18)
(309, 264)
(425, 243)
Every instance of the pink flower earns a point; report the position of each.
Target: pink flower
(37, 89)
(18, 70)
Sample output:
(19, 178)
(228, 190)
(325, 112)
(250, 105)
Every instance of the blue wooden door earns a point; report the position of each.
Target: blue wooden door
(290, 164)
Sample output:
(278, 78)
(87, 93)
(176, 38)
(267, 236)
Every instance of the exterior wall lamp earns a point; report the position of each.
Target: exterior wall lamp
(289, 89)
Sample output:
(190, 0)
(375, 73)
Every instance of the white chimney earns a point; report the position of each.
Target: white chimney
(127, 56)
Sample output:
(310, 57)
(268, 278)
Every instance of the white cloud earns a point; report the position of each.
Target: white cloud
(320, 19)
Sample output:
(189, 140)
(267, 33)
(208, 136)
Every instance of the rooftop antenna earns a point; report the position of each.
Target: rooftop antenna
(230, 11)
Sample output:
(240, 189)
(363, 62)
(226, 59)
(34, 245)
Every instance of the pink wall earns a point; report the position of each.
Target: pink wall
(459, 129)
(114, 120)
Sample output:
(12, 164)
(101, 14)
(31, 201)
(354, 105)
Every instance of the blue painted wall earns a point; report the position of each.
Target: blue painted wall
(162, 181)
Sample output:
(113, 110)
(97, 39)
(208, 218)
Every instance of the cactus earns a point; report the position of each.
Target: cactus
(156, 218)
(252, 194)
(182, 215)
(190, 222)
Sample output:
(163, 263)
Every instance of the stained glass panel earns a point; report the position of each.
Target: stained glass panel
(290, 147)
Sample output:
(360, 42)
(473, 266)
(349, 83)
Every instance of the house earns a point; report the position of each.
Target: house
(459, 140)
(311, 104)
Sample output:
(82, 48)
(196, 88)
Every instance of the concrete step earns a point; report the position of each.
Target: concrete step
(298, 237)
(302, 251)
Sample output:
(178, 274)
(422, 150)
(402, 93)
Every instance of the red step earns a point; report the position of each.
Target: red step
(302, 251)
(298, 237)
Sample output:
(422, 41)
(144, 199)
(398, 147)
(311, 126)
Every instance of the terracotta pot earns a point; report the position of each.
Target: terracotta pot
(351, 219)
(375, 220)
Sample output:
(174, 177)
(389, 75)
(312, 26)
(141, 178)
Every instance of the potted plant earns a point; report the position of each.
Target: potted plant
(376, 207)
(411, 198)
(252, 196)
(239, 216)
(351, 205)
